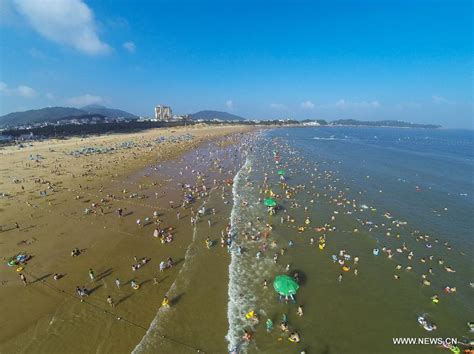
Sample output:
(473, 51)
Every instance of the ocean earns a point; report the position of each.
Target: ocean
(393, 212)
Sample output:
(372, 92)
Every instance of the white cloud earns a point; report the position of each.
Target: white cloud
(130, 46)
(343, 104)
(68, 22)
(21, 90)
(229, 104)
(441, 100)
(84, 100)
(307, 105)
(278, 106)
(26, 91)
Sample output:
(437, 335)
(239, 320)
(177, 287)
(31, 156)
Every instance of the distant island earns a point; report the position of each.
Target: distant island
(210, 115)
(382, 123)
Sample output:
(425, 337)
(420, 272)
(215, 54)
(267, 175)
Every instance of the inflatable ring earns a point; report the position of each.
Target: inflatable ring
(136, 287)
(19, 269)
(249, 315)
(12, 263)
(346, 268)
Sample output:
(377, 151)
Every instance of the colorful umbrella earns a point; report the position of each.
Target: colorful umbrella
(269, 202)
(281, 172)
(285, 285)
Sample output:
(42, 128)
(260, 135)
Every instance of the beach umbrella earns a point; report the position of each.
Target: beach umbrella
(285, 285)
(281, 172)
(269, 202)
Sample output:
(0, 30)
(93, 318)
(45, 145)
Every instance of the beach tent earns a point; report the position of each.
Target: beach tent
(285, 285)
(269, 202)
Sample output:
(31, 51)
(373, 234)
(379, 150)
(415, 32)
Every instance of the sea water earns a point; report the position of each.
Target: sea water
(406, 192)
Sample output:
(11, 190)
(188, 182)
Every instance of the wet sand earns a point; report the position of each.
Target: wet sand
(47, 316)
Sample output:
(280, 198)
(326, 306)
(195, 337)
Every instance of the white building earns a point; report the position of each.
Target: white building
(163, 112)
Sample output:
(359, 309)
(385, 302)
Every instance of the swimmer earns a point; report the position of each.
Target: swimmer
(299, 312)
(269, 325)
(247, 336)
(294, 337)
(284, 327)
(449, 269)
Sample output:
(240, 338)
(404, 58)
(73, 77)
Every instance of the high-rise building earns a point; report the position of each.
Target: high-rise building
(163, 112)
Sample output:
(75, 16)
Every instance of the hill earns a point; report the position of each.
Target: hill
(383, 123)
(108, 112)
(209, 115)
(53, 114)
(39, 115)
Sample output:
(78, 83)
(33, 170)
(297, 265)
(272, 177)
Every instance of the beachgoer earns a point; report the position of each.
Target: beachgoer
(23, 279)
(117, 282)
(299, 312)
(110, 301)
(91, 274)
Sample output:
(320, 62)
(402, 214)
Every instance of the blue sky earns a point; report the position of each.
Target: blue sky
(409, 60)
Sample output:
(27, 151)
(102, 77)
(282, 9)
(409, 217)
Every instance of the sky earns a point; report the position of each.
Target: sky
(337, 59)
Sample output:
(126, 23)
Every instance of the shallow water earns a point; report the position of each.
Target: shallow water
(421, 178)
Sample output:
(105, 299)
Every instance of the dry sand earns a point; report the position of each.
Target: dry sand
(46, 316)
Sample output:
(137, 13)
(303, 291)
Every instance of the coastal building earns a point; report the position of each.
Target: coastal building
(163, 112)
(182, 117)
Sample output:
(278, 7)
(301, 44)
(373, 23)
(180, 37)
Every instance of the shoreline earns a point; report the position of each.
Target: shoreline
(35, 303)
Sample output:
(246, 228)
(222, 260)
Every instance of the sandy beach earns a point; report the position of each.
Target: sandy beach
(61, 195)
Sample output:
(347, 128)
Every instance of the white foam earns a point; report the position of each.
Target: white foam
(235, 302)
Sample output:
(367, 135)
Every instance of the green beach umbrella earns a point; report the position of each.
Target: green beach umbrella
(285, 285)
(281, 172)
(269, 202)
